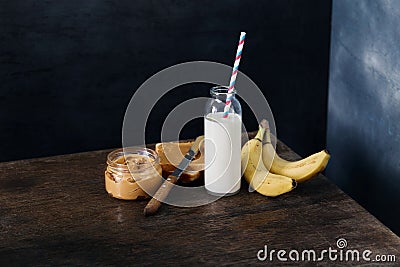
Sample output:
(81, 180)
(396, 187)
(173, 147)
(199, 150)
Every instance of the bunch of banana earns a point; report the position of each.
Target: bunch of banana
(300, 170)
(282, 175)
(257, 175)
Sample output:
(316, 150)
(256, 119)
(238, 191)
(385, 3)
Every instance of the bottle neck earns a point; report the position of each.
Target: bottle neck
(221, 93)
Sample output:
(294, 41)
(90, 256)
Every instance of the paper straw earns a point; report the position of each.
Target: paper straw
(234, 74)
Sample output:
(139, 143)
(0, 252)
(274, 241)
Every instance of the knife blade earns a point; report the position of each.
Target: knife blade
(153, 205)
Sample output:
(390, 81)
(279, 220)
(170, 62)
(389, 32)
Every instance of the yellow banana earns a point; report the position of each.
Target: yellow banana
(300, 170)
(257, 175)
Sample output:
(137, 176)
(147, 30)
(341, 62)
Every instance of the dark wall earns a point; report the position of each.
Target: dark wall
(364, 105)
(69, 68)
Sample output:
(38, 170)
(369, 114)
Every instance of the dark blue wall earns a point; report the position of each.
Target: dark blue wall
(68, 68)
(363, 132)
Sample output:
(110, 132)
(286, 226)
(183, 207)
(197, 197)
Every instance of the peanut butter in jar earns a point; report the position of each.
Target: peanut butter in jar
(133, 173)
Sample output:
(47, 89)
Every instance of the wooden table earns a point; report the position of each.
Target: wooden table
(55, 211)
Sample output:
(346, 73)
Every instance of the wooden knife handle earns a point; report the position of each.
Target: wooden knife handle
(161, 194)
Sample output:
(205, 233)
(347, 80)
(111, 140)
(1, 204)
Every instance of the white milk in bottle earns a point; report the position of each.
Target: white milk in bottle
(222, 148)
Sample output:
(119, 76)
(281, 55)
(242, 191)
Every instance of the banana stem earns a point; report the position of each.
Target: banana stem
(267, 136)
(261, 130)
(264, 124)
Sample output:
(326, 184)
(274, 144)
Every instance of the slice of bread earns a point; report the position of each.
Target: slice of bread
(172, 153)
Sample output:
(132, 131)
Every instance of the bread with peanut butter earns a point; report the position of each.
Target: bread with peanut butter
(172, 153)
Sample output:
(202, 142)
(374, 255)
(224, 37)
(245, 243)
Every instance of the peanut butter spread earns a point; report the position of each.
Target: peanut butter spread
(126, 175)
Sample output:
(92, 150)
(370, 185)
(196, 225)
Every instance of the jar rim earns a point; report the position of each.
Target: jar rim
(221, 90)
(113, 155)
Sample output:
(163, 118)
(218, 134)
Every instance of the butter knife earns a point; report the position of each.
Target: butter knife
(162, 193)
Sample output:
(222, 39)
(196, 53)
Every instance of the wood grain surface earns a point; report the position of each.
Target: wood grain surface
(55, 211)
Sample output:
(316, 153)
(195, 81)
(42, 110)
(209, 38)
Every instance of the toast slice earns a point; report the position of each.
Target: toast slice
(172, 153)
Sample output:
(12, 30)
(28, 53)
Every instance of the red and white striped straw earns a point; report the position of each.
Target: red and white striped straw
(234, 74)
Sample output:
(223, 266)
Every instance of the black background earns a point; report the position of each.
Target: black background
(69, 68)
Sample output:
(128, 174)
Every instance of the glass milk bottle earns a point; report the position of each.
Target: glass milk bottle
(222, 143)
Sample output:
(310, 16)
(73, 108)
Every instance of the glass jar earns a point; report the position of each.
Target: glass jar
(132, 173)
(222, 144)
